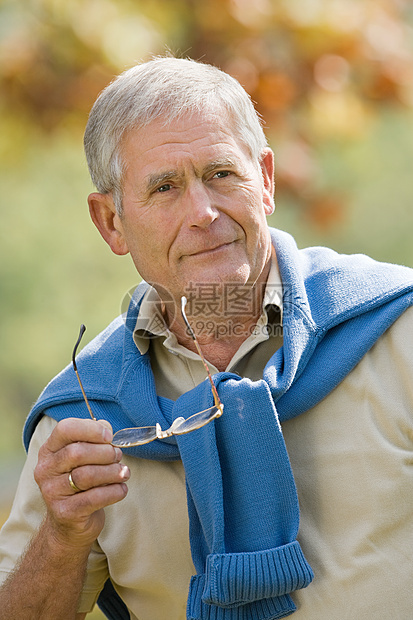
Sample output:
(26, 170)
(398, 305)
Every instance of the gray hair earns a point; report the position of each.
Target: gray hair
(164, 87)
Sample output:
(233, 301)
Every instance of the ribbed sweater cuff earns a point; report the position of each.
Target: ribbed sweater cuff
(265, 609)
(233, 579)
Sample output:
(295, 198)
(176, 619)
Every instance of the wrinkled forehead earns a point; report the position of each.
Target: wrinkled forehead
(182, 118)
(193, 129)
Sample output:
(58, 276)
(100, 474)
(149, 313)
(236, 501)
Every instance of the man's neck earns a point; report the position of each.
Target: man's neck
(222, 316)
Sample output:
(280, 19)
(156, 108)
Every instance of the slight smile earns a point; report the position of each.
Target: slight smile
(213, 250)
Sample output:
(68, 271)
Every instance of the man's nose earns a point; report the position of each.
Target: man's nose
(201, 210)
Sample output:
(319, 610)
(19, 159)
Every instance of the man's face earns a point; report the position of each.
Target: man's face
(194, 205)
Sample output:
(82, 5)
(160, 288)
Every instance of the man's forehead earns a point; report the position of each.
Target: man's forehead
(200, 143)
(184, 129)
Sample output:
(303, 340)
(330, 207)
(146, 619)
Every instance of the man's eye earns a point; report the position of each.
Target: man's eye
(164, 188)
(222, 174)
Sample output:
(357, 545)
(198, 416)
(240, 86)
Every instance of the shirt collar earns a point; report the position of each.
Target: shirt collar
(150, 322)
(273, 295)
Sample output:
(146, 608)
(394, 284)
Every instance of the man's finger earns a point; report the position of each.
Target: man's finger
(90, 476)
(72, 430)
(81, 453)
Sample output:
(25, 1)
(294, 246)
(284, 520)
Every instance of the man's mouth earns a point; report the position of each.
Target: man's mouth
(210, 250)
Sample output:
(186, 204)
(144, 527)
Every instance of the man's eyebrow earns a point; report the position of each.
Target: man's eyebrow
(225, 162)
(156, 179)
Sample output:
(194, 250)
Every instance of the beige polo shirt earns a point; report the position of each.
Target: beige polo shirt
(352, 458)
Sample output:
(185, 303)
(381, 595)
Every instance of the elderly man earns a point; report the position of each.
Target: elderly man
(280, 486)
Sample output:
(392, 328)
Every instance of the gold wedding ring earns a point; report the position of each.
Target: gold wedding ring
(72, 484)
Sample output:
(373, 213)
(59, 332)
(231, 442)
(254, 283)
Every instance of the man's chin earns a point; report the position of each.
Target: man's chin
(219, 277)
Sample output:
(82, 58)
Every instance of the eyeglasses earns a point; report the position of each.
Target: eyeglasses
(137, 436)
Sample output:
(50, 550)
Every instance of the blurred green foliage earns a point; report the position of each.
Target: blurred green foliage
(333, 80)
(55, 273)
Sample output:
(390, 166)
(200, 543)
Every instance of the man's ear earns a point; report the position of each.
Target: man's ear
(267, 169)
(106, 219)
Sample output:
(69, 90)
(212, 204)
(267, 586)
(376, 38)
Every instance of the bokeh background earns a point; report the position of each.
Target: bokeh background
(333, 80)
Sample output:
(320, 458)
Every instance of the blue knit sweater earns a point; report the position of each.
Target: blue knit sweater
(242, 500)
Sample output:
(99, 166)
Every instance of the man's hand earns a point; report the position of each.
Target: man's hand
(48, 580)
(81, 448)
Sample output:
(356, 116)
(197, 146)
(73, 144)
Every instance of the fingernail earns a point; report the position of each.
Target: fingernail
(118, 455)
(107, 435)
(124, 472)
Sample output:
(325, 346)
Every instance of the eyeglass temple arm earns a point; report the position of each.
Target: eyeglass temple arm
(82, 331)
(201, 355)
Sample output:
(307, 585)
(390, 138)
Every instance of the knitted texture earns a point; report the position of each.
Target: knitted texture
(243, 507)
(242, 501)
